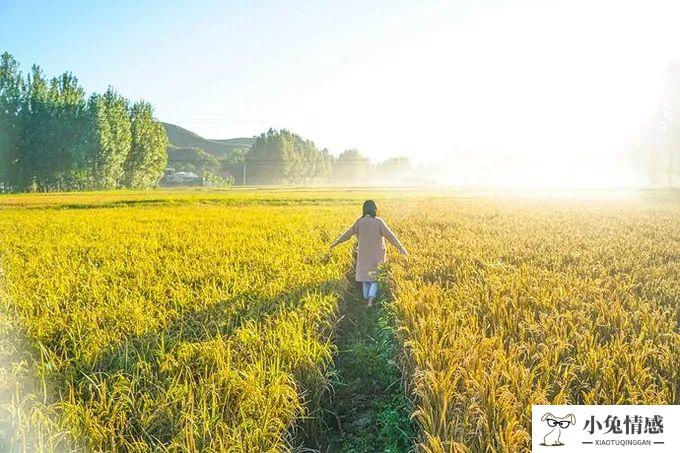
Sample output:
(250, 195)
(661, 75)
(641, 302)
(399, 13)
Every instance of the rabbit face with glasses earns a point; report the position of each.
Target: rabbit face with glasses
(556, 425)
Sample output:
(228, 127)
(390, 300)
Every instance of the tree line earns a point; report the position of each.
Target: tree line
(283, 157)
(280, 156)
(53, 138)
(657, 147)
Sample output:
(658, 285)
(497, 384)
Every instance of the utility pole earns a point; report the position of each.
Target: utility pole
(244, 172)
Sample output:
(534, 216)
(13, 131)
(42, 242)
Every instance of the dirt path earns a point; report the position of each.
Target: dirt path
(367, 410)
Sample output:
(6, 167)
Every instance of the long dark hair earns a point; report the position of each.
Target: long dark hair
(370, 208)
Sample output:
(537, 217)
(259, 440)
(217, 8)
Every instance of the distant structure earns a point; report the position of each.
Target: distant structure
(180, 178)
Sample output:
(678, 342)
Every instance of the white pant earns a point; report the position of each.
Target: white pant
(370, 289)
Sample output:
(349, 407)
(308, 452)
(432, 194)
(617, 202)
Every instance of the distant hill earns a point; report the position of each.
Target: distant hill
(224, 150)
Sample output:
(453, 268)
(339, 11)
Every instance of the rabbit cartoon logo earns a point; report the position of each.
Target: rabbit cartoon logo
(556, 425)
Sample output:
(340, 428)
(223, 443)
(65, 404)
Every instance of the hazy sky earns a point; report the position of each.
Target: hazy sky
(532, 80)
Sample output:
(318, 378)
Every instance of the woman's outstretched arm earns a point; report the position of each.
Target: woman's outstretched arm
(387, 233)
(346, 236)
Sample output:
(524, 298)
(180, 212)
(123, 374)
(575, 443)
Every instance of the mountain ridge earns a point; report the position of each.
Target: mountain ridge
(221, 149)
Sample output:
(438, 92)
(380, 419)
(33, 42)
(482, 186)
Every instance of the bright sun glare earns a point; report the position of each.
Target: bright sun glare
(529, 94)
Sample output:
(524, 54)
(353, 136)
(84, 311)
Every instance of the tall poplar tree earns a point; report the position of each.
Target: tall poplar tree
(34, 164)
(111, 139)
(68, 130)
(11, 95)
(148, 154)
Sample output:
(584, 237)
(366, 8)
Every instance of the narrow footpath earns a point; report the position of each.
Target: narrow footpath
(366, 410)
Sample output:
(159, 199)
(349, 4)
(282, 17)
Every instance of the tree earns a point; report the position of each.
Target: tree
(68, 128)
(670, 124)
(11, 96)
(53, 123)
(394, 167)
(351, 166)
(266, 160)
(148, 154)
(111, 138)
(323, 163)
(658, 144)
(34, 165)
(278, 157)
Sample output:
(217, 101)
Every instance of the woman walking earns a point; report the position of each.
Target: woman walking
(370, 230)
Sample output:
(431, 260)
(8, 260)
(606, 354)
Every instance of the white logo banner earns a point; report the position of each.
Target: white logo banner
(627, 428)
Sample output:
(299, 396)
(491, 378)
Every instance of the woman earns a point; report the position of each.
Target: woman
(371, 249)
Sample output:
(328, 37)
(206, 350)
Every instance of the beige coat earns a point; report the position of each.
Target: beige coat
(371, 248)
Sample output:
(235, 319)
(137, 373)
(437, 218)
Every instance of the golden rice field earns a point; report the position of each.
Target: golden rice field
(190, 327)
(508, 304)
(204, 321)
